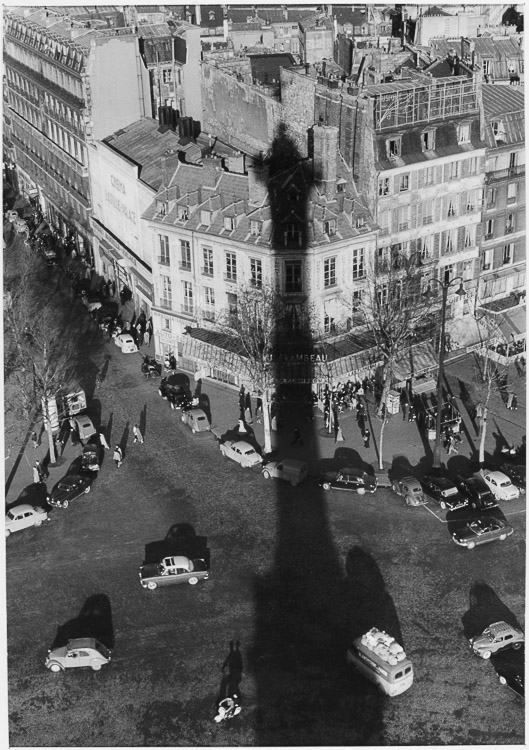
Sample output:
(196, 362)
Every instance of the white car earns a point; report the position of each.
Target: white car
(240, 451)
(24, 516)
(126, 343)
(500, 485)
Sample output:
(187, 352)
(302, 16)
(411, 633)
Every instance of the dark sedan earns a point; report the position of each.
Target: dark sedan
(516, 474)
(510, 671)
(354, 480)
(481, 531)
(69, 488)
(478, 492)
(444, 492)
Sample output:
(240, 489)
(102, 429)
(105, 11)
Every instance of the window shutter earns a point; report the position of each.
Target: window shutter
(464, 168)
(461, 238)
(437, 209)
(464, 198)
(418, 216)
(413, 215)
(395, 220)
(479, 233)
(414, 180)
(436, 244)
(420, 178)
(396, 184)
(438, 175)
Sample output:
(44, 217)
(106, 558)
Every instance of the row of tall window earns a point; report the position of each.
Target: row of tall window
(47, 68)
(433, 175)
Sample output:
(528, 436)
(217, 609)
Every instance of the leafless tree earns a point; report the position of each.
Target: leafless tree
(41, 356)
(393, 306)
(256, 324)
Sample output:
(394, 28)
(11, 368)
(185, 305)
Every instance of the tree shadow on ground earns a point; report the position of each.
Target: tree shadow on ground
(93, 621)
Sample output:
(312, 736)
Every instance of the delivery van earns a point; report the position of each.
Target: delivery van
(382, 660)
(289, 469)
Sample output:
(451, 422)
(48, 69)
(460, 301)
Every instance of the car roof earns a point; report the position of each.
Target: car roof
(497, 475)
(242, 444)
(198, 412)
(18, 508)
(82, 643)
(178, 561)
(351, 470)
(501, 627)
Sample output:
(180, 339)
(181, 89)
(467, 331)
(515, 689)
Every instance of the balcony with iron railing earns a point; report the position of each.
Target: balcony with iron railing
(504, 174)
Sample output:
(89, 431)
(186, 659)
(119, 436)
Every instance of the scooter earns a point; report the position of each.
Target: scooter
(227, 709)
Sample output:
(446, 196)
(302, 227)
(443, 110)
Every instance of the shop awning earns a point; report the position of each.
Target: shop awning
(512, 323)
(418, 359)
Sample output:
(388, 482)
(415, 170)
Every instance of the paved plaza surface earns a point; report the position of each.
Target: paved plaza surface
(295, 573)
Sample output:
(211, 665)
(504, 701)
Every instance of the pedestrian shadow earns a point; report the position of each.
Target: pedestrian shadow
(143, 420)
(108, 429)
(32, 494)
(104, 370)
(232, 670)
(485, 607)
(124, 439)
(93, 621)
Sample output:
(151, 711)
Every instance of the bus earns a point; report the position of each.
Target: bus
(378, 656)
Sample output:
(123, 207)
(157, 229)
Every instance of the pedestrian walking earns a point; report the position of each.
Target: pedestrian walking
(514, 402)
(36, 476)
(339, 435)
(35, 440)
(509, 400)
(296, 435)
(259, 409)
(146, 337)
(479, 410)
(366, 437)
(138, 437)
(103, 441)
(40, 470)
(118, 456)
(451, 446)
(241, 427)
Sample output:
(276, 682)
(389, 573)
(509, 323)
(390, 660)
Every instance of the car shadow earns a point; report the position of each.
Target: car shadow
(485, 607)
(345, 457)
(33, 494)
(180, 379)
(181, 539)
(93, 621)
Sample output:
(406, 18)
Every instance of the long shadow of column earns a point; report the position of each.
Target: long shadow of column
(308, 607)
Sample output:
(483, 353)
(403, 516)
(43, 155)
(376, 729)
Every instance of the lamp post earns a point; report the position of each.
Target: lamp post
(445, 286)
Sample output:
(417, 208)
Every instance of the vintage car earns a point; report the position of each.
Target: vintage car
(175, 393)
(516, 473)
(477, 491)
(481, 531)
(410, 489)
(175, 569)
(241, 452)
(126, 343)
(90, 457)
(78, 652)
(23, 516)
(444, 492)
(354, 480)
(497, 637)
(512, 674)
(84, 427)
(500, 485)
(196, 419)
(289, 469)
(69, 488)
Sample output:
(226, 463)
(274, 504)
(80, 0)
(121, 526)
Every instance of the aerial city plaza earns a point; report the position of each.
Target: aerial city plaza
(264, 375)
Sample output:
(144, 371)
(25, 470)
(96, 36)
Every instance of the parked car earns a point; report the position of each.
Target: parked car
(50, 256)
(21, 226)
(126, 343)
(289, 469)
(176, 569)
(84, 427)
(512, 675)
(23, 516)
(477, 491)
(175, 394)
(516, 473)
(500, 485)
(348, 478)
(78, 652)
(410, 489)
(196, 419)
(444, 492)
(69, 488)
(241, 452)
(497, 637)
(481, 531)
(90, 458)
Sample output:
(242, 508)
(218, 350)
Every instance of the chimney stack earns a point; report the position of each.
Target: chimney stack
(258, 175)
(325, 151)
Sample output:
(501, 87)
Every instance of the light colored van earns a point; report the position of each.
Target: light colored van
(382, 660)
(289, 469)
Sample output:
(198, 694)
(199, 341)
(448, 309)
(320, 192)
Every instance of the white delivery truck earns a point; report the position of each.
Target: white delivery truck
(63, 405)
(382, 660)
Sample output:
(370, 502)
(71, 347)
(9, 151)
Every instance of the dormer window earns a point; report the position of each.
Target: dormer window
(205, 217)
(329, 227)
(183, 213)
(340, 187)
(428, 140)
(394, 147)
(463, 132)
(256, 227)
(161, 208)
(229, 222)
(211, 15)
(360, 222)
(498, 130)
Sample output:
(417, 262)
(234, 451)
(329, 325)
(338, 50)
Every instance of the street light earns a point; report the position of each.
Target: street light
(445, 286)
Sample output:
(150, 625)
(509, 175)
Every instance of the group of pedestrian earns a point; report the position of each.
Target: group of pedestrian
(452, 440)
(40, 472)
(245, 406)
(512, 401)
